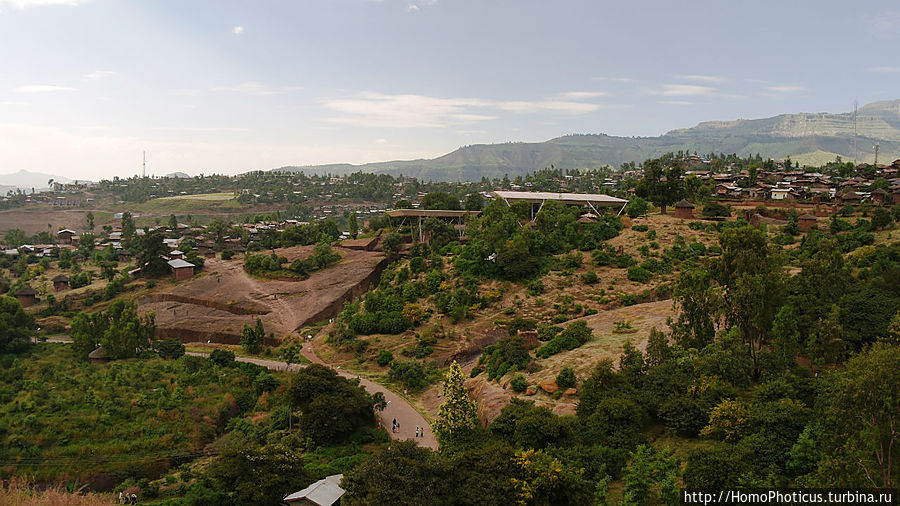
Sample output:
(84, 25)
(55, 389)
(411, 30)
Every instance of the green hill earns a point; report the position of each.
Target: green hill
(805, 136)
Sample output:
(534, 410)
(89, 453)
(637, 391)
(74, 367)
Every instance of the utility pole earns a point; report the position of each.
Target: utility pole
(876, 156)
(144, 164)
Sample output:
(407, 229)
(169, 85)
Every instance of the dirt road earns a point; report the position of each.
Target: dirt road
(397, 409)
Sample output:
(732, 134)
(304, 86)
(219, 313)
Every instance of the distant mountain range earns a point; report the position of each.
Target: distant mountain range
(25, 181)
(812, 138)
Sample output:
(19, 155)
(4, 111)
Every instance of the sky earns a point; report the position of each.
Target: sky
(222, 86)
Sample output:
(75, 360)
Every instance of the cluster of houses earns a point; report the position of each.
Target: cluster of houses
(784, 185)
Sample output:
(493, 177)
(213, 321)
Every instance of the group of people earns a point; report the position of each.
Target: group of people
(395, 427)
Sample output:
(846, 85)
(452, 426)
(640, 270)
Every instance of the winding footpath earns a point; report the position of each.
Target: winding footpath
(398, 408)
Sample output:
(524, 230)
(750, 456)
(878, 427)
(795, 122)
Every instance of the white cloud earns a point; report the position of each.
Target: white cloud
(13, 103)
(98, 74)
(237, 30)
(256, 88)
(580, 95)
(786, 88)
(885, 69)
(702, 78)
(42, 88)
(416, 5)
(676, 102)
(686, 90)
(381, 141)
(419, 111)
(25, 4)
(615, 79)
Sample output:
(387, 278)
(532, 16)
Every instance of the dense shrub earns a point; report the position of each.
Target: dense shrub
(411, 373)
(639, 274)
(509, 354)
(384, 357)
(572, 337)
(519, 384)
(222, 357)
(566, 378)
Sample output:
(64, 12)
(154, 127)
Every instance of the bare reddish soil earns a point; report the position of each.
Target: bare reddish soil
(216, 304)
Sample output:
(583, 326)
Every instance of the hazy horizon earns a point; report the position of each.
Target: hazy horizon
(227, 87)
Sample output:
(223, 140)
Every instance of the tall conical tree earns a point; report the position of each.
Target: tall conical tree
(458, 410)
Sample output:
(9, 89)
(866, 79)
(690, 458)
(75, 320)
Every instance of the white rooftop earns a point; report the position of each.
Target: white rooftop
(321, 493)
(179, 264)
(579, 198)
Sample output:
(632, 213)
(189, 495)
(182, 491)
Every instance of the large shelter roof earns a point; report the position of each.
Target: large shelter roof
(595, 199)
(426, 213)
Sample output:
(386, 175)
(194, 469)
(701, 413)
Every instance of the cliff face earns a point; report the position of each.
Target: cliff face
(812, 138)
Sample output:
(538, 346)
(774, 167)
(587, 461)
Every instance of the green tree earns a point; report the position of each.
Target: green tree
(544, 479)
(333, 407)
(252, 338)
(218, 230)
(391, 245)
(119, 330)
(352, 225)
(651, 478)
(458, 412)
(151, 249)
(661, 185)
(15, 238)
(860, 417)
(401, 473)
(256, 474)
(90, 220)
(753, 283)
(127, 227)
(440, 200)
(636, 207)
(474, 202)
(16, 326)
(173, 222)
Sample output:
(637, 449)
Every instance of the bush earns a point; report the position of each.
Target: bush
(636, 207)
(222, 357)
(624, 261)
(566, 378)
(410, 373)
(590, 278)
(384, 357)
(714, 209)
(170, 348)
(639, 274)
(640, 228)
(519, 384)
(572, 337)
(535, 287)
(227, 255)
(509, 354)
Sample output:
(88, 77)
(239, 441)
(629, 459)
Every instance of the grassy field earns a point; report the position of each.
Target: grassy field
(63, 419)
(185, 203)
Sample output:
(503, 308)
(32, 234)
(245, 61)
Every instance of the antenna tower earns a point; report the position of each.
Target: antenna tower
(855, 148)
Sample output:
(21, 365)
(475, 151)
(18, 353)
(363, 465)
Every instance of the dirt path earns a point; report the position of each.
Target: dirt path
(397, 409)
